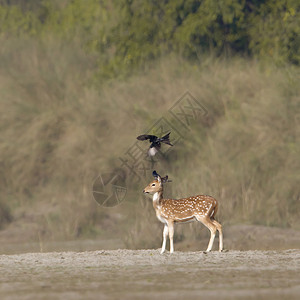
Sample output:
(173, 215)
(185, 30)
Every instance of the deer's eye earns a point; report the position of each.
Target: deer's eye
(153, 184)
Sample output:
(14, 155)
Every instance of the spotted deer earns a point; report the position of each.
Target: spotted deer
(200, 208)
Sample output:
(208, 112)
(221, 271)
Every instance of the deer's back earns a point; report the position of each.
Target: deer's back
(186, 208)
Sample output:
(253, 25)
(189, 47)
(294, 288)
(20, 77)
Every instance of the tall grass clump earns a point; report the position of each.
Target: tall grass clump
(48, 112)
(60, 129)
(245, 152)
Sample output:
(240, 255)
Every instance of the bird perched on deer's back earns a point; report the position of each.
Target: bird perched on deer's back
(155, 142)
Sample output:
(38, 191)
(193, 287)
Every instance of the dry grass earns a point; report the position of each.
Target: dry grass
(59, 130)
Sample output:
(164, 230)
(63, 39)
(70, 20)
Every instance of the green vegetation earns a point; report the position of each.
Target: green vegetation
(72, 73)
(125, 35)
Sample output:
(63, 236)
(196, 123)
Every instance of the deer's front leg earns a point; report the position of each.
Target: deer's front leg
(171, 235)
(165, 234)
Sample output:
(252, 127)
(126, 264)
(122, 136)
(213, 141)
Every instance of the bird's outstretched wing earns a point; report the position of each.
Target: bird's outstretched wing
(144, 137)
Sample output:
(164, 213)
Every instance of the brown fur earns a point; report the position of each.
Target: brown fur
(202, 208)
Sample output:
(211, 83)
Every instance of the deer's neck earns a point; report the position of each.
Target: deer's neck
(157, 198)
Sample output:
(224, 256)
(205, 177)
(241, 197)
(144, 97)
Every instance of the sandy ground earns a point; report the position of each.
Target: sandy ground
(236, 237)
(146, 274)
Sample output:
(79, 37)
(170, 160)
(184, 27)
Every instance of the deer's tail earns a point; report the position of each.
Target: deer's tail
(215, 209)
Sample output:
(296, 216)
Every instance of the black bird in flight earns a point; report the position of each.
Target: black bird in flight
(155, 142)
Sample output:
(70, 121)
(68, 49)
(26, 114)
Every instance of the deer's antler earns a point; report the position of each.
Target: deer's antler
(166, 179)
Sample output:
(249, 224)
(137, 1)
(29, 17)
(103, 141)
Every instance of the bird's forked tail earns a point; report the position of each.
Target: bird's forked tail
(166, 139)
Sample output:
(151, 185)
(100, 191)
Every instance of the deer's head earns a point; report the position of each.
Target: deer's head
(156, 185)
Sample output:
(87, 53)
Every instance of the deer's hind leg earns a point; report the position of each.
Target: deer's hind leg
(219, 228)
(206, 221)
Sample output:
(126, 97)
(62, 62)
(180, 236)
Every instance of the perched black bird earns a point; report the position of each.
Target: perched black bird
(163, 179)
(155, 142)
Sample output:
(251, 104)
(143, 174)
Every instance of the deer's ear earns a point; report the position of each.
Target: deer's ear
(158, 179)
